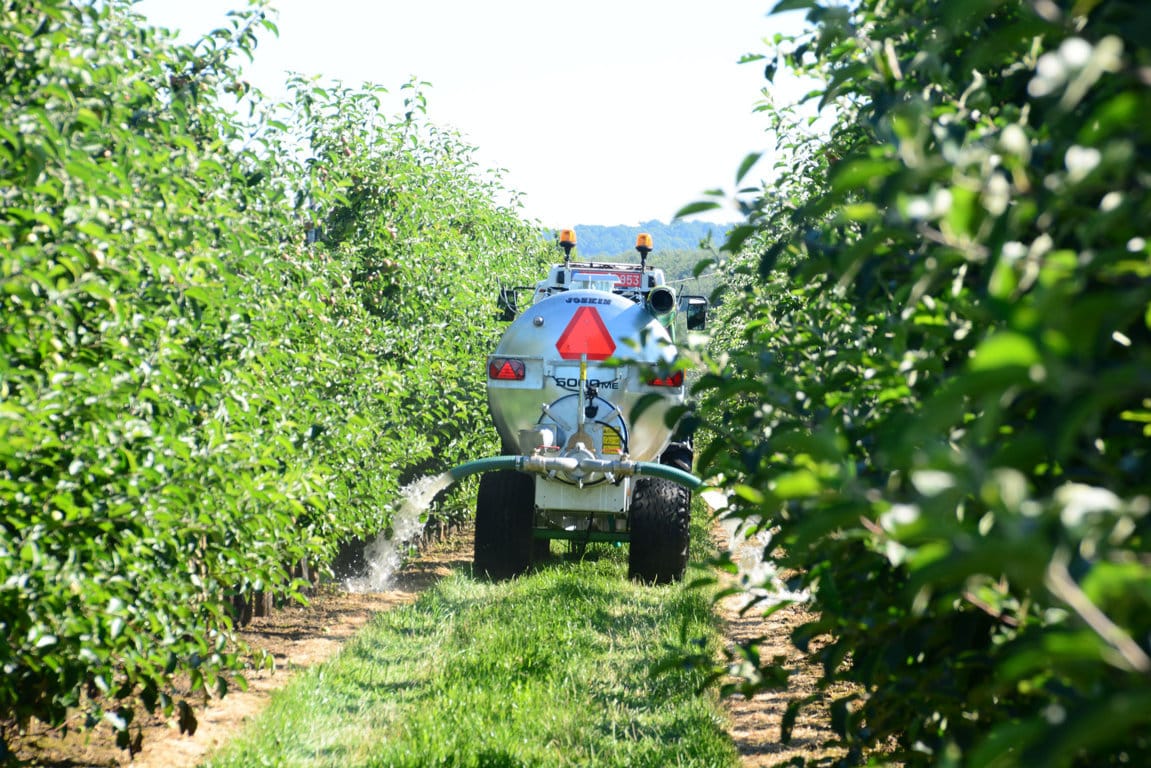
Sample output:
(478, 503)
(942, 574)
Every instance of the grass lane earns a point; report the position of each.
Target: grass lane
(557, 668)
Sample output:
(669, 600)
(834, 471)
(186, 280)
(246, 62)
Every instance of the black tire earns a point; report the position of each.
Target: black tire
(678, 455)
(541, 550)
(504, 507)
(660, 531)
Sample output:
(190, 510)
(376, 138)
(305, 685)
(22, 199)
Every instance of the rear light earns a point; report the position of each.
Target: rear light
(672, 380)
(506, 369)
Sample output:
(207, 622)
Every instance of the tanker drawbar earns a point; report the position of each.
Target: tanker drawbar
(581, 462)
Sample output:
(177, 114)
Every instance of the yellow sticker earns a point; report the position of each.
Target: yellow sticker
(612, 442)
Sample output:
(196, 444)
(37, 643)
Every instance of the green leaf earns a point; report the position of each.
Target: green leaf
(1005, 349)
(861, 173)
(796, 485)
(749, 494)
(961, 216)
(792, 5)
(746, 165)
(697, 207)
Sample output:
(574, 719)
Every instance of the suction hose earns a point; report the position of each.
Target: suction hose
(482, 465)
(543, 464)
(678, 476)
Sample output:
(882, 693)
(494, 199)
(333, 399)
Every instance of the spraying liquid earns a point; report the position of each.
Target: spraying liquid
(748, 541)
(758, 576)
(385, 555)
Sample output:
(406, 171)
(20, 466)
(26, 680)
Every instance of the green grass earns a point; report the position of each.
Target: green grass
(570, 665)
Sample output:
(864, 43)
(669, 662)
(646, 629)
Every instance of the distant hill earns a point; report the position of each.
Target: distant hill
(594, 241)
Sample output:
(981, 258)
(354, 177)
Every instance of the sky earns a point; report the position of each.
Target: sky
(598, 111)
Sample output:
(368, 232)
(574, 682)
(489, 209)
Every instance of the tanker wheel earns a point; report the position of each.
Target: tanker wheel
(503, 542)
(660, 531)
(678, 455)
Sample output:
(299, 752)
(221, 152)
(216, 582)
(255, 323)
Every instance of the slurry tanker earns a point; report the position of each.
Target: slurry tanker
(583, 389)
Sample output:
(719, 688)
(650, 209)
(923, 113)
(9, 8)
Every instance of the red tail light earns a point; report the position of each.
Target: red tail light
(506, 368)
(672, 380)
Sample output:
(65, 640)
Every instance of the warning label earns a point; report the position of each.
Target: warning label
(612, 443)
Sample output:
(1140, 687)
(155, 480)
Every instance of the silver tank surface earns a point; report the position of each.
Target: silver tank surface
(589, 352)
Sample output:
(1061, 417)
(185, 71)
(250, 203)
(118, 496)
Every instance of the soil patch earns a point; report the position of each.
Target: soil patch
(757, 722)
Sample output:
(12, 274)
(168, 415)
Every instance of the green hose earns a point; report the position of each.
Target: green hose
(678, 476)
(483, 465)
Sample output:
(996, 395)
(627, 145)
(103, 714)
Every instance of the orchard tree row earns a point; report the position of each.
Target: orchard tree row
(935, 387)
(232, 329)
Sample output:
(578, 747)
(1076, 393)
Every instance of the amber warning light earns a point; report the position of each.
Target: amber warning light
(567, 242)
(643, 243)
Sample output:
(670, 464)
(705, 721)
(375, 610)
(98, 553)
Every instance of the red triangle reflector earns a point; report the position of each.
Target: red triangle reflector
(586, 335)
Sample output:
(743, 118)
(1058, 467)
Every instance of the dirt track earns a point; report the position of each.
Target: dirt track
(299, 637)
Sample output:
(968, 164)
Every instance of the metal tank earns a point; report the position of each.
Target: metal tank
(581, 389)
(588, 356)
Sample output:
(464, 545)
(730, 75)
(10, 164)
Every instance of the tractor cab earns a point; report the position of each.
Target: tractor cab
(639, 283)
